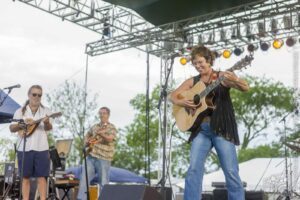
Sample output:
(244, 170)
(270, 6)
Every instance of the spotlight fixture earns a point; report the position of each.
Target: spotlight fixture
(261, 29)
(222, 35)
(290, 42)
(274, 28)
(238, 51)
(251, 48)
(200, 39)
(236, 32)
(277, 43)
(185, 60)
(287, 22)
(217, 54)
(226, 53)
(264, 46)
(211, 38)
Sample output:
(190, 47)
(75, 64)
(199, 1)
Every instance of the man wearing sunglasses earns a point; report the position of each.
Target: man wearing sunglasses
(36, 152)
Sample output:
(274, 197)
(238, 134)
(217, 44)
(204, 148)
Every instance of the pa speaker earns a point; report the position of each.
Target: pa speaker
(220, 194)
(256, 195)
(130, 192)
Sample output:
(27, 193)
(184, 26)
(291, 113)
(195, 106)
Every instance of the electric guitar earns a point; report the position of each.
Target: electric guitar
(32, 125)
(199, 94)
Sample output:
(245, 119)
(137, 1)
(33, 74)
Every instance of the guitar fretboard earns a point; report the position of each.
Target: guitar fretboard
(240, 64)
(210, 87)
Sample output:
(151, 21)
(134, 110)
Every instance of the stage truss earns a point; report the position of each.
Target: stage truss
(120, 28)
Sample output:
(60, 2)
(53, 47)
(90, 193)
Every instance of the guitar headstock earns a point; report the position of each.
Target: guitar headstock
(244, 62)
(57, 114)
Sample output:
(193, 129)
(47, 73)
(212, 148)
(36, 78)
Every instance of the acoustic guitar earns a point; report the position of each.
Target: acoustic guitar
(96, 139)
(31, 126)
(200, 95)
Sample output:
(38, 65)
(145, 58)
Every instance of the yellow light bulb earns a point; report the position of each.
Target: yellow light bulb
(226, 53)
(183, 60)
(277, 44)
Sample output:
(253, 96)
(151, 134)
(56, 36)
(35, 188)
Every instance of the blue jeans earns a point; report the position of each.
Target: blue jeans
(201, 146)
(94, 165)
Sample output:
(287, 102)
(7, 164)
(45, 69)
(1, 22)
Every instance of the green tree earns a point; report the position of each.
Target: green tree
(130, 149)
(261, 107)
(262, 151)
(69, 99)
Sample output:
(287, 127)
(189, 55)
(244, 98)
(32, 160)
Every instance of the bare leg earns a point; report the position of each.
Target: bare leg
(25, 188)
(42, 187)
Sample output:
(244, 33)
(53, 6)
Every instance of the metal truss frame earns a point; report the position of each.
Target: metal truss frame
(227, 29)
(120, 28)
(95, 15)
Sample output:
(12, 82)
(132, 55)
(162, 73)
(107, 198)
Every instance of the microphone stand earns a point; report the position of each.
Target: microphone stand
(4, 98)
(286, 192)
(83, 130)
(86, 174)
(163, 97)
(23, 157)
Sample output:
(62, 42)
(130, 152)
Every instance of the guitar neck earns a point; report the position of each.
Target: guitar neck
(50, 116)
(212, 86)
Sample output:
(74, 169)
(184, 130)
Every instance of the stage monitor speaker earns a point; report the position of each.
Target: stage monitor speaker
(256, 195)
(130, 192)
(167, 192)
(205, 196)
(220, 194)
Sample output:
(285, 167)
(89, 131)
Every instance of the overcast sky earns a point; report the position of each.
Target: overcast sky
(39, 48)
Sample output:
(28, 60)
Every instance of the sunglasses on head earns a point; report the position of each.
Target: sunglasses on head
(35, 94)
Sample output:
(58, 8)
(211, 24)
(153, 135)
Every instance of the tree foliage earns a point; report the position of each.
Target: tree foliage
(69, 99)
(261, 107)
(130, 150)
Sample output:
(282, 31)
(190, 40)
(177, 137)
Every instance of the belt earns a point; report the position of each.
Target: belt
(206, 119)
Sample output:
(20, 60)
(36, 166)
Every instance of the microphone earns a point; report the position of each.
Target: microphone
(13, 86)
(17, 120)
(174, 55)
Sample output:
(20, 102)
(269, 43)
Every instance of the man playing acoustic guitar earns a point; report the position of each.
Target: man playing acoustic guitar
(214, 127)
(37, 159)
(100, 145)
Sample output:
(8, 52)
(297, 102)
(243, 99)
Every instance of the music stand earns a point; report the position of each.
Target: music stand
(63, 147)
(55, 160)
(9, 178)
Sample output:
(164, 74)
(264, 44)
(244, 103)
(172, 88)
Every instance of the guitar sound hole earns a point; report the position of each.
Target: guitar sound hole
(196, 99)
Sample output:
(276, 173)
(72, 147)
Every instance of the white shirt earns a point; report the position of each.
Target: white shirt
(38, 141)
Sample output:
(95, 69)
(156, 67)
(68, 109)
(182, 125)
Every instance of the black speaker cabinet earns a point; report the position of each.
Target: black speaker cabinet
(130, 192)
(256, 195)
(207, 196)
(221, 194)
(167, 192)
